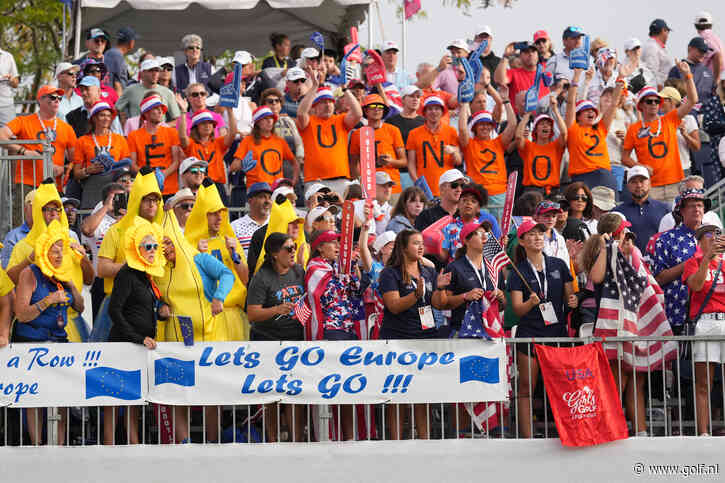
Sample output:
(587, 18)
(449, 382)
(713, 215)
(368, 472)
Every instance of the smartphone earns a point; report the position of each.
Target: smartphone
(120, 202)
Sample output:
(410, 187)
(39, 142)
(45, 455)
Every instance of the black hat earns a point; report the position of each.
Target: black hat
(699, 43)
(657, 26)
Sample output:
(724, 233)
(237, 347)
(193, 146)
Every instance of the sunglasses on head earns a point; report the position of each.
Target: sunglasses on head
(53, 97)
(197, 170)
(198, 94)
(580, 198)
(290, 248)
(186, 206)
(150, 246)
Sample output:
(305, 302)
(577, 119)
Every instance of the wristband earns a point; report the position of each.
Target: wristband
(506, 102)
(573, 84)
(689, 76)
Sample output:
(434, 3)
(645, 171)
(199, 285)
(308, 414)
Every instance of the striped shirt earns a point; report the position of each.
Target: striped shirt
(244, 228)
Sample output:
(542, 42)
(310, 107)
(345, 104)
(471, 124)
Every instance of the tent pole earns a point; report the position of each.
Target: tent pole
(77, 43)
(370, 24)
(62, 39)
(405, 40)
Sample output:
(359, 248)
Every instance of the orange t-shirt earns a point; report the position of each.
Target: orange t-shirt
(325, 142)
(154, 150)
(445, 97)
(429, 158)
(213, 153)
(542, 164)
(660, 152)
(269, 153)
(86, 148)
(485, 164)
(30, 172)
(387, 140)
(587, 148)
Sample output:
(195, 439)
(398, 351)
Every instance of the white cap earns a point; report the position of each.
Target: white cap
(310, 53)
(318, 211)
(703, 17)
(410, 90)
(166, 60)
(64, 66)
(295, 73)
(149, 64)
(242, 57)
(181, 195)
(632, 43)
(637, 170)
(484, 29)
(450, 176)
(390, 45)
(314, 188)
(282, 190)
(381, 177)
(383, 239)
(459, 44)
(192, 161)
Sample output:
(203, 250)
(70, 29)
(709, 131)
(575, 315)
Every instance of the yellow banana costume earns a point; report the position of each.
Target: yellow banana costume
(45, 194)
(196, 229)
(132, 239)
(279, 217)
(182, 288)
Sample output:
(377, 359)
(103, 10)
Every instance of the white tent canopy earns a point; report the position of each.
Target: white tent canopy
(223, 24)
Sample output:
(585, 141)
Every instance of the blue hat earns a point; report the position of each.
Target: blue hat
(572, 32)
(90, 80)
(127, 33)
(94, 33)
(700, 44)
(657, 26)
(258, 188)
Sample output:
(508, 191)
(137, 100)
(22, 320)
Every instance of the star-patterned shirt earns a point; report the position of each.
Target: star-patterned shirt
(672, 248)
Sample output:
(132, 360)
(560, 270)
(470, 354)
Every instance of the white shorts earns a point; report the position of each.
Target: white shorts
(710, 351)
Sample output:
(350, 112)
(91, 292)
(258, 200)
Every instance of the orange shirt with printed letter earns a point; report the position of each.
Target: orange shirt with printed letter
(387, 140)
(213, 153)
(587, 148)
(28, 171)
(657, 148)
(154, 150)
(430, 161)
(87, 148)
(269, 153)
(485, 164)
(542, 164)
(325, 142)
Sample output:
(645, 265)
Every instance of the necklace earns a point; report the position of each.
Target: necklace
(50, 134)
(108, 146)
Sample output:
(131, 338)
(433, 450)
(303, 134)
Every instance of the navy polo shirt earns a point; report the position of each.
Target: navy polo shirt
(464, 279)
(645, 219)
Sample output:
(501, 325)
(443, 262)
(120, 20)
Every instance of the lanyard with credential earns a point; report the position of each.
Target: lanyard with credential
(542, 285)
(479, 274)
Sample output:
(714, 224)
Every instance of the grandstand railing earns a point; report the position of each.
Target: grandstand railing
(670, 410)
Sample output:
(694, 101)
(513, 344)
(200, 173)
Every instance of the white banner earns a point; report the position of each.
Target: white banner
(48, 374)
(319, 372)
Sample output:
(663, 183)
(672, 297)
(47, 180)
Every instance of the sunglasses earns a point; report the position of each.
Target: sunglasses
(150, 246)
(124, 180)
(298, 81)
(455, 186)
(712, 234)
(198, 94)
(51, 209)
(375, 106)
(327, 219)
(651, 102)
(93, 71)
(168, 68)
(54, 98)
(186, 206)
(193, 47)
(580, 198)
(290, 248)
(197, 170)
(70, 210)
(272, 100)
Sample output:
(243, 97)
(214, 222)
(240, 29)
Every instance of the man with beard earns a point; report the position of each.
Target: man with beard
(644, 213)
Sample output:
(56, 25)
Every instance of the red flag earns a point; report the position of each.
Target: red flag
(346, 241)
(509, 203)
(411, 8)
(584, 399)
(375, 71)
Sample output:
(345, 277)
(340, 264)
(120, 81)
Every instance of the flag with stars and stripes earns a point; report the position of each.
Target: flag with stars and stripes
(495, 257)
(632, 305)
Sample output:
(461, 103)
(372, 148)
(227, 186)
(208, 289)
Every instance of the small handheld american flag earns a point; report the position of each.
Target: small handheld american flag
(494, 257)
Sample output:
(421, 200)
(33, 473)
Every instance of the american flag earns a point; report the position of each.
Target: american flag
(632, 305)
(494, 257)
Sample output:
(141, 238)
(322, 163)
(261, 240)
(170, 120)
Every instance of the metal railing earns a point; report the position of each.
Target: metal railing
(667, 396)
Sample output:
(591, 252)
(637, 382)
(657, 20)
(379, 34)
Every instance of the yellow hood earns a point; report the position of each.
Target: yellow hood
(207, 201)
(131, 241)
(280, 216)
(143, 185)
(45, 193)
(54, 233)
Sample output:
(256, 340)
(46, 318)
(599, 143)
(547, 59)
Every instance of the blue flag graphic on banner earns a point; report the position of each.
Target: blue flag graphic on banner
(478, 368)
(111, 382)
(174, 371)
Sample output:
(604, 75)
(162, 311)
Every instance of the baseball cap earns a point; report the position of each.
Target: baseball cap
(603, 198)
(89, 81)
(383, 239)
(469, 228)
(527, 226)
(295, 73)
(704, 229)
(47, 90)
(242, 57)
(323, 237)
(310, 53)
(632, 43)
(450, 176)
(410, 90)
(281, 181)
(637, 170)
(257, 188)
(193, 161)
(390, 45)
(459, 44)
(149, 64)
(540, 34)
(703, 18)
(572, 32)
(318, 211)
(119, 172)
(699, 43)
(670, 92)
(29, 196)
(64, 66)
(314, 188)
(547, 206)
(73, 201)
(658, 25)
(181, 195)
(352, 83)
(126, 34)
(485, 29)
(527, 46)
(166, 60)
(95, 32)
(381, 177)
(282, 190)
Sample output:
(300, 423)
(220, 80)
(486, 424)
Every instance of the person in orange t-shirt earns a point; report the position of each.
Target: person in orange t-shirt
(587, 135)
(41, 125)
(389, 147)
(433, 147)
(269, 151)
(201, 142)
(654, 138)
(93, 175)
(324, 134)
(156, 145)
(542, 157)
(484, 156)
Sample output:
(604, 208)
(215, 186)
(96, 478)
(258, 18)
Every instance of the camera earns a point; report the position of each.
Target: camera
(120, 202)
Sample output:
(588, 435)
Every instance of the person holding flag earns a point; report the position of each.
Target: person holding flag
(541, 294)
